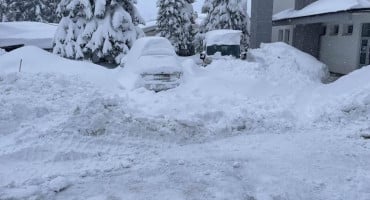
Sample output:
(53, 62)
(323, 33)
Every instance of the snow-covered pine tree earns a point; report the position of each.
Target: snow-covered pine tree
(30, 10)
(22, 10)
(2, 10)
(48, 11)
(176, 22)
(226, 14)
(99, 30)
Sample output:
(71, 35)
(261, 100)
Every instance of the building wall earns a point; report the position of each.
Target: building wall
(307, 38)
(342, 52)
(275, 34)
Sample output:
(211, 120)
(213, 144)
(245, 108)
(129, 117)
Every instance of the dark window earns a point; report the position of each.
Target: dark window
(334, 30)
(287, 36)
(364, 45)
(281, 35)
(363, 58)
(348, 29)
(323, 30)
(366, 30)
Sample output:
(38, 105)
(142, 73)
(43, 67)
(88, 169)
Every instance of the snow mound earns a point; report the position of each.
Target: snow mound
(236, 96)
(36, 98)
(36, 60)
(285, 62)
(343, 101)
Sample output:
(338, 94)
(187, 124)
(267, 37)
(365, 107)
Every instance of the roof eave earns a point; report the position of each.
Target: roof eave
(295, 20)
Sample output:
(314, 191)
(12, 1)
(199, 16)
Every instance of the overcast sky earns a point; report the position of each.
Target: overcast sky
(148, 8)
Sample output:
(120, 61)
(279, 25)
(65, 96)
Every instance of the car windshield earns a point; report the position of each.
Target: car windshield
(158, 51)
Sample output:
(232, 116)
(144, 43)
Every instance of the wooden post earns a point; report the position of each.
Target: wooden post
(20, 65)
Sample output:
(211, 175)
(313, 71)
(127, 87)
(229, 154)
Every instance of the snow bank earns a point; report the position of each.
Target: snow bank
(27, 33)
(234, 95)
(343, 101)
(323, 6)
(36, 60)
(285, 62)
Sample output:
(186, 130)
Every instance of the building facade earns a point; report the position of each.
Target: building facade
(340, 38)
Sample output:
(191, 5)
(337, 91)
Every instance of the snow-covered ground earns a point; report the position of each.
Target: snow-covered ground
(266, 129)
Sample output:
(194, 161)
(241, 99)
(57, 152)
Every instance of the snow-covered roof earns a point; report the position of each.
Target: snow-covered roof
(27, 33)
(323, 7)
(223, 37)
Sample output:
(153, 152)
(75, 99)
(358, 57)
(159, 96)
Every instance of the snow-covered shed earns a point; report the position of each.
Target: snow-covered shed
(17, 34)
(225, 41)
(335, 32)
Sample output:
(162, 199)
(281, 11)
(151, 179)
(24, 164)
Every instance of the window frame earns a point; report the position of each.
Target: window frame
(287, 35)
(281, 35)
(346, 29)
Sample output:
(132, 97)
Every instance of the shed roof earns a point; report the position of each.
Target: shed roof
(323, 7)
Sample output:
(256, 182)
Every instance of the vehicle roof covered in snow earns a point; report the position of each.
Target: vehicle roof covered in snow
(223, 37)
(148, 53)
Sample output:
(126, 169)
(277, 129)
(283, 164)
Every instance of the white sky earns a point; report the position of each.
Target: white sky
(148, 8)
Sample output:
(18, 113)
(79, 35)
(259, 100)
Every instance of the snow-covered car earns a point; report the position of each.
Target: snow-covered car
(223, 42)
(151, 63)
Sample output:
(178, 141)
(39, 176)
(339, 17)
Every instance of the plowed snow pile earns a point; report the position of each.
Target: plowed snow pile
(266, 129)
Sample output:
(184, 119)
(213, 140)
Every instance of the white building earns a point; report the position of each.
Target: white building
(335, 32)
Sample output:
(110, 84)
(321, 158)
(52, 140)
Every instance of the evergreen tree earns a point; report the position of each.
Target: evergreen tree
(226, 14)
(100, 30)
(29, 10)
(2, 10)
(176, 23)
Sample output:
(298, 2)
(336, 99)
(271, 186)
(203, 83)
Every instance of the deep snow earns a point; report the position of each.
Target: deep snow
(266, 129)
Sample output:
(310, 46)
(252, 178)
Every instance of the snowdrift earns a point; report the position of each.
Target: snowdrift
(343, 101)
(283, 61)
(36, 60)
